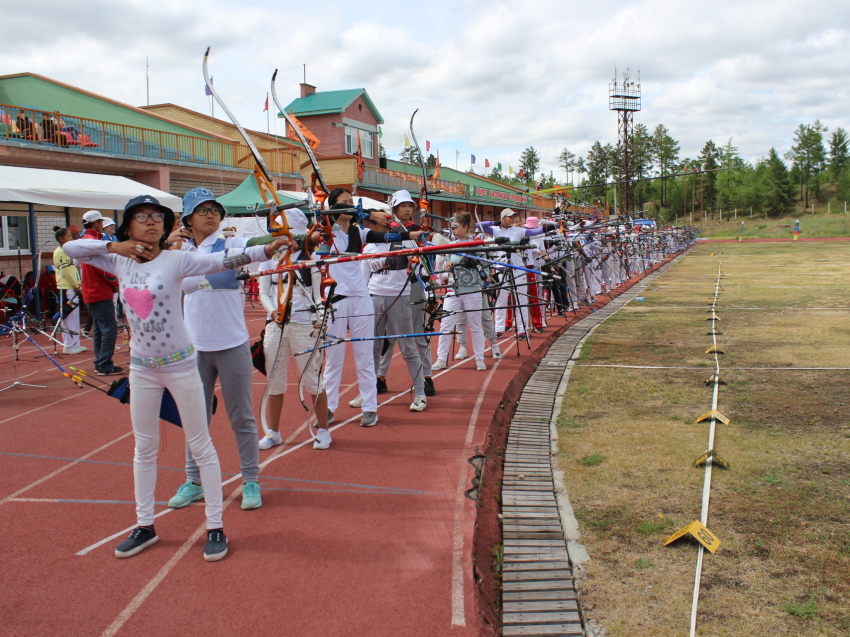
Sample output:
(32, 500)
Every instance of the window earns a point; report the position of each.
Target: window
(366, 142)
(13, 234)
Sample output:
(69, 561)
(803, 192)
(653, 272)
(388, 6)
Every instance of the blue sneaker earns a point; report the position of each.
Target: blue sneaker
(251, 496)
(186, 495)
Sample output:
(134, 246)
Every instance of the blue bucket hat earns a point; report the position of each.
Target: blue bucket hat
(196, 197)
(144, 200)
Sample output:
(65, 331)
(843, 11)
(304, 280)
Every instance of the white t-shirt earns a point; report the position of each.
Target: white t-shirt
(224, 303)
(151, 294)
(300, 301)
(386, 282)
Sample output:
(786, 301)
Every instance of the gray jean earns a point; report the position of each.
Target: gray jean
(235, 369)
(395, 318)
(416, 302)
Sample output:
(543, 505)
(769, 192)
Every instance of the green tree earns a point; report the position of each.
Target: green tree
(778, 189)
(839, 152)
(529, 161)
(809, 157)
(431, 162)
(567, 161)
(666, 152)
(581, 169)
(382, 152)
(410, 155)
(708, 159)
(598, 165)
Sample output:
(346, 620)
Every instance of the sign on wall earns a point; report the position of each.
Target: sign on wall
(501, 195)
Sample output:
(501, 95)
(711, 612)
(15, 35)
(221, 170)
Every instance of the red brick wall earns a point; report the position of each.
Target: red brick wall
(332, 136)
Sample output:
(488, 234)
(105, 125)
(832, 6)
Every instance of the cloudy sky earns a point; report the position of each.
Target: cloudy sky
(489, 78)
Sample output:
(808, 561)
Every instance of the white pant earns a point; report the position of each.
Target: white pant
(146, 388)
(72, 321)
(355, 314)
(505, 300)
(473, 322)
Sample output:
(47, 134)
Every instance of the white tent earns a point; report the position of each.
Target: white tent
(75, 190)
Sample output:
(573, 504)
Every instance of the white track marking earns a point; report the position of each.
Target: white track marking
(149, 588)
(458, 602)
(63, 468)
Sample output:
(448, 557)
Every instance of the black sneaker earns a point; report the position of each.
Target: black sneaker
(140, 539)
(499, 334)
(539, 330)
(382, 386)
(112, 372)
(429, 387)
(216, 546)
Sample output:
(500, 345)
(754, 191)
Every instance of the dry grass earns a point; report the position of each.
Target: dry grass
(782, 510)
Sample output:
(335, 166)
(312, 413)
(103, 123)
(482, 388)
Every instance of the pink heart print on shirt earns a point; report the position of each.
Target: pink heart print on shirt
(140, 301)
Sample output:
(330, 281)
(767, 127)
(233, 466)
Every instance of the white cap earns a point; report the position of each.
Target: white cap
(108, 221)
(507, 212)
(92, 215)
(399, 197)
(297, 220)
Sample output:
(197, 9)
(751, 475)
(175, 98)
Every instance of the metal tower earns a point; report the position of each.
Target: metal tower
(624, 97)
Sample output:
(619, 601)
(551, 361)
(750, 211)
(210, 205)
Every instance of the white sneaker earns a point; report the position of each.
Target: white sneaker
(480, 366)
(461, 353)
(323, 439)
(357, 402)
(440, 364)
(74, 350)
(419, 403)
(496, 352)
(270, 440)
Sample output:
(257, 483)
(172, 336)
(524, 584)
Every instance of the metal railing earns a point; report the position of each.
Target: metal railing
(404, 181)
(53, 129)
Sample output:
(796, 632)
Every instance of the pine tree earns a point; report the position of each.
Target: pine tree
(666, 152)
(708, 158)
(598, 167)
(839, 152)
(529, 161)
(778, 189)
(410, 155)
(567, 161)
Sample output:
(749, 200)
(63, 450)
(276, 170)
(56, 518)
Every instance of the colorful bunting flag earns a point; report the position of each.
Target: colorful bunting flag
(486, 163)
(510, 170)
(473, 159)
(499, 167)
(266, 107)
(427, 146)
(312, 140)
(406, 141)
(207, 90)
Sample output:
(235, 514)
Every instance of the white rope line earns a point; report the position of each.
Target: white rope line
(728, 368)
(706, 488)
(732, 307)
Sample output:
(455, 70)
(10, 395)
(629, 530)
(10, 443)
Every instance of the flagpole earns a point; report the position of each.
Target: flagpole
(268, 124)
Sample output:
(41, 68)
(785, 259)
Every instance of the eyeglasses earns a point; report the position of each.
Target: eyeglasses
(142, 217)
(207, 212)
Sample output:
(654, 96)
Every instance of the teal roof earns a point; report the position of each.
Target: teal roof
(243, 199)
(327, 102)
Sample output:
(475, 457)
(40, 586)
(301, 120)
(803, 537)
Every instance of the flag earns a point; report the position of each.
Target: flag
(406, 141)
(266, 107)
(457, 155)
(312, 140)
(510, 170)
(473, 159)
(207, 90)
(486, 163)
(499, 167)
(437, 167)
(380, 132)
(427, 146)
(359, 158)
(521, 173)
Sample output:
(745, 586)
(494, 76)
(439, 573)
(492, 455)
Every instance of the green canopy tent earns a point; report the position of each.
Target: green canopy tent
(246, 198)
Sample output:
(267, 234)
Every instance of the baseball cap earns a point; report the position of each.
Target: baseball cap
(507, 212)
(92, 215)
(399, 197)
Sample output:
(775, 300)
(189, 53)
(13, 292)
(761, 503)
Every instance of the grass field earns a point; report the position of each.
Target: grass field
(628, 441)
(820, 225)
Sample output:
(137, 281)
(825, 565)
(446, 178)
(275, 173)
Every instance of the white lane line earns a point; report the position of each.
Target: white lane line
(267, 461)
(63, 468)
(458, 602)
(149, 588)
(61, 400)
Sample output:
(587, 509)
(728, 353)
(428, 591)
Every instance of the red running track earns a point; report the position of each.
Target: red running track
(371, 537)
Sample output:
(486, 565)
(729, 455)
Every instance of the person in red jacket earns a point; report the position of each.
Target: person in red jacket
(98, 289)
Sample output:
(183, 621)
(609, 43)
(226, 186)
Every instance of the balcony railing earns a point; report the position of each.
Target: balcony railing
(47, 129)
(404, 181)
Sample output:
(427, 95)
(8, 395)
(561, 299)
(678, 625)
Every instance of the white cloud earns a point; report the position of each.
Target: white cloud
(490, 78)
